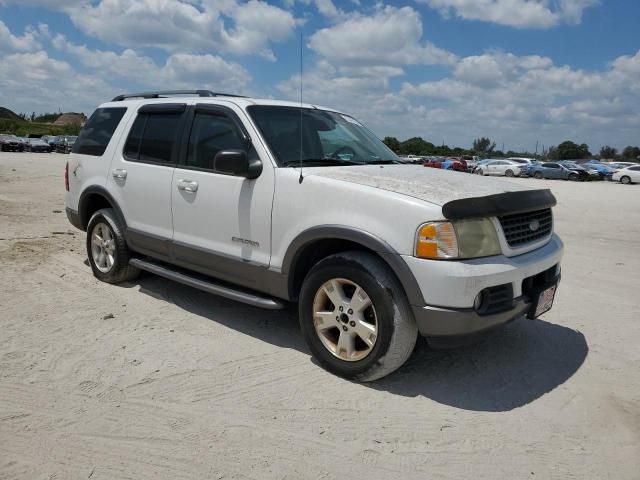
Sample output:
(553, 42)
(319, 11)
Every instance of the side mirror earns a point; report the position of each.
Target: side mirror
(236, 162)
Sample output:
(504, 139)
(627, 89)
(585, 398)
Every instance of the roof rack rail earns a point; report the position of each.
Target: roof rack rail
(166, 93)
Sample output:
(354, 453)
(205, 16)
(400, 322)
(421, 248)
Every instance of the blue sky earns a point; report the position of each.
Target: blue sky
(518, 71)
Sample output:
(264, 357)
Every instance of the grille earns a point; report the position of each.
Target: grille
(517, 227)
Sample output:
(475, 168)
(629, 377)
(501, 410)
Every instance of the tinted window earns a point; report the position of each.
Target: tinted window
(152, 137)
(210, 134)
(635, 169)
(96, 134)
(551, 165)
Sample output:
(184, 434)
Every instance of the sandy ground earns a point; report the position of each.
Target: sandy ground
(153, 380)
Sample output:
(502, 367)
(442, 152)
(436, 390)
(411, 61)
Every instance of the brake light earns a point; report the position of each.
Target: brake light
(66, 177)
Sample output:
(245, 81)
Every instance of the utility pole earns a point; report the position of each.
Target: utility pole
(536, 147)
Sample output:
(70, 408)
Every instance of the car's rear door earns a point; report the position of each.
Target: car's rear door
(141, 174)
(221, 222)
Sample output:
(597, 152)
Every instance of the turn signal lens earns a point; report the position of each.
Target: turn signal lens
(437, 240)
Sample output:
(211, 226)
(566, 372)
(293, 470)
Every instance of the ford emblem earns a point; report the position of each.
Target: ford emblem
(534, 225)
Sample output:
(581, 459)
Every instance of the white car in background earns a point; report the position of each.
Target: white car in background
(627, 175)
(522, 160)
(501, 168)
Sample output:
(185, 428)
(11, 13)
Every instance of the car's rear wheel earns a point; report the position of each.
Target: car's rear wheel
(537, 175)
(625, 179)
(355, 317)
(107, 249)
(509, 173)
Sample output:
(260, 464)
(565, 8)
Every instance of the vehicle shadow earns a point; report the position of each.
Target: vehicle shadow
(501, 370)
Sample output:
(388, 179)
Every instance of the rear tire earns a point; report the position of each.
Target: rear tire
(508, 173)
(107, 249)
(372, 333)
(625, 180)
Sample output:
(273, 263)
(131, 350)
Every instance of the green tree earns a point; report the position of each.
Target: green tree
(608, 152)
(483, 145)
(569, 150)
(631, 153)
(393, 143)
(417, 146)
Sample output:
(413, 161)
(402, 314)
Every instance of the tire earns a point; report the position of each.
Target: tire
(508, 173)
(115, 253)
(538, 175)
(625, 179)
(387, 321)
(479, 172)
(574, 177)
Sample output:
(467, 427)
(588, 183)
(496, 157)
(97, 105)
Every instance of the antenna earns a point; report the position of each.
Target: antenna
(301, 44)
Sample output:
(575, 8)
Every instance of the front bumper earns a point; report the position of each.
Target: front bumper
(449, 288)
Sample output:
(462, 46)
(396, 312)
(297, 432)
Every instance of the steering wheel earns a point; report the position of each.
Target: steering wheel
(344, 149)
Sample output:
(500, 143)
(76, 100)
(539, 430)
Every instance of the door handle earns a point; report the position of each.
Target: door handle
(188, 186)
(119, 173)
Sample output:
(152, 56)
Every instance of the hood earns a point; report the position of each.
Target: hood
(432, 185)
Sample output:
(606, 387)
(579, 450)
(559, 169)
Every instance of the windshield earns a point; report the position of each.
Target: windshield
(326, 138)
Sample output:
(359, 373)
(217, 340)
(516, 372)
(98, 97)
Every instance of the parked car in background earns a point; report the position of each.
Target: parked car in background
(604, 171)
(65, 144)
(627, 175)
(522, 160)
(593, 173)
(10, 143)
(51, 140)
(37, 145)
(411, 159)
(619, 165)
(556, 170)
(499, 167)
(433, 162)
(457, 164)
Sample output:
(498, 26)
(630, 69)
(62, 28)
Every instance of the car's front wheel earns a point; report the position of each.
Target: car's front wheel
(107, 249)
(626, 180)
(574, 177)
(355, 317)
(537, 175)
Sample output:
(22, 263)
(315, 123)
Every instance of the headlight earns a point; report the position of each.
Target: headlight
(459, 239)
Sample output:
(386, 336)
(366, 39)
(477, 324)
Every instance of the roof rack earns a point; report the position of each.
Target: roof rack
(165, 93)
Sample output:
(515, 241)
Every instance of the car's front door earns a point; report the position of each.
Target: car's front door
(141, 174)
(221, 222)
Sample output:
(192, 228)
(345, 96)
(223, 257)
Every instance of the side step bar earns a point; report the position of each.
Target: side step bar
(202, 283)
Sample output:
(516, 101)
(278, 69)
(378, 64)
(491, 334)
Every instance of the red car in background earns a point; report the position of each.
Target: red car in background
(456, 164)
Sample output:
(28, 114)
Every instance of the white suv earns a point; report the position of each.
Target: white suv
(268, 202)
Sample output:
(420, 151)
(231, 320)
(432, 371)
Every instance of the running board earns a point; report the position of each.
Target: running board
(201, 283)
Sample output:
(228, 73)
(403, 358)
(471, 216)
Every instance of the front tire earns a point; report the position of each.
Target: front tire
(625, 180)
(538, 175)
(355, 317)
(574, 177)
(107, 249)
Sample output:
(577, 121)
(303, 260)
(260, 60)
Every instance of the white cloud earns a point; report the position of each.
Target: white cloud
(195, 26)
(390, 36)
(13, 43)
(515, 13)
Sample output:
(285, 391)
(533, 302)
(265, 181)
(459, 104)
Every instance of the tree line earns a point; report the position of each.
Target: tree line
(485, 147)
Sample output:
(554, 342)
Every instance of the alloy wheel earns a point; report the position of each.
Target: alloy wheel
(103, 247)
(345, 319)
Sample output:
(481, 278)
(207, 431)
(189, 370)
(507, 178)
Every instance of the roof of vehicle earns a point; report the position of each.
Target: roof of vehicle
(171, 97)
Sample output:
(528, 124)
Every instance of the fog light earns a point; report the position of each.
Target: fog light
(477, 303)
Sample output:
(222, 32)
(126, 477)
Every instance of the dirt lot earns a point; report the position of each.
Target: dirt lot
(155, 380)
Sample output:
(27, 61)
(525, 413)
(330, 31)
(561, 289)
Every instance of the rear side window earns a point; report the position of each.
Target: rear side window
(152, 138)
(96, 134)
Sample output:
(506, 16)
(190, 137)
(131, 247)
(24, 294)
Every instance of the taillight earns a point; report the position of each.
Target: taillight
(66, 177)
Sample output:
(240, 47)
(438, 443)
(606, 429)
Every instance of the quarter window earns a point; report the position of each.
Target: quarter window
(96, 134)
(210, 134)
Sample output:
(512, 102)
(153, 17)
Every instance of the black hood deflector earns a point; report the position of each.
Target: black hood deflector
(499, 204)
